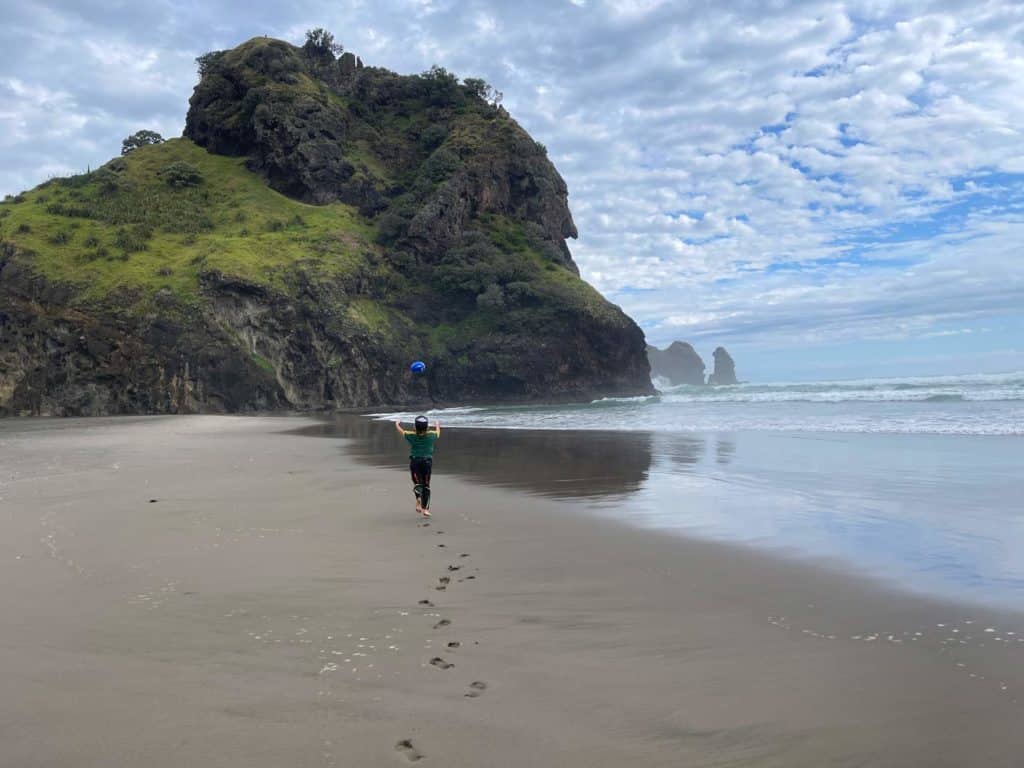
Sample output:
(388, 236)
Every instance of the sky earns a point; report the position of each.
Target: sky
(828, 189)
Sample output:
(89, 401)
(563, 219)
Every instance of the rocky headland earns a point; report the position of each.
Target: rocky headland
(320, 224)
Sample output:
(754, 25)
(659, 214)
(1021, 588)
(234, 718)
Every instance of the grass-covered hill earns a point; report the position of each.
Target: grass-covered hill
(320, 225)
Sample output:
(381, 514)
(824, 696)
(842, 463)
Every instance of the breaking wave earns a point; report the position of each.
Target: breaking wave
(952, 405)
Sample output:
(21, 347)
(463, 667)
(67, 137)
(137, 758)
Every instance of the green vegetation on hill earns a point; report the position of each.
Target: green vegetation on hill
(123, 229)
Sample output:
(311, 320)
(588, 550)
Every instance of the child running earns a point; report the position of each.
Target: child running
(421, 459)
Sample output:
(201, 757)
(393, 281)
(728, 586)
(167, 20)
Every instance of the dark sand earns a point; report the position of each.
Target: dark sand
(265, 610)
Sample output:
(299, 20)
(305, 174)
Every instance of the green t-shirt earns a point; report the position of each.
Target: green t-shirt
(421, 446)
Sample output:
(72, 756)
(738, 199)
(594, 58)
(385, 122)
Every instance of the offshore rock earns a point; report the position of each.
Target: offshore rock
(679, 363)
(725, 369)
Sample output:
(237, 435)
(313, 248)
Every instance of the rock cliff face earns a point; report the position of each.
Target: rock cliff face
(322, 224)
(679, 363)
(725, 369)
(338, 133)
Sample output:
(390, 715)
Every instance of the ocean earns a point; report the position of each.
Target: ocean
(964, 405)
(914, 482)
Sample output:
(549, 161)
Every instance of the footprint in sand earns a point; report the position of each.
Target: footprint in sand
(442, 545)
(444, 579)
(442, 623)
(408, 751)
(440, 663)
(454, 644)
(427, 603)
(464, 554)
(454, 567)
(476, 688)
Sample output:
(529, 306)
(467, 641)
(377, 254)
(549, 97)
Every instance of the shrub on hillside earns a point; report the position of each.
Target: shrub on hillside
(133, 239)
(320, 45)
(181, 174)
(140, 139)
(440, 88)
(492, 299)
(483, 90)
(208, 61)
(441, 164)
(109, 176)
(391, 227)
(433, 136)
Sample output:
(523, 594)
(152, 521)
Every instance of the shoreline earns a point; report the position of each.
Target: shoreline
(203, 626)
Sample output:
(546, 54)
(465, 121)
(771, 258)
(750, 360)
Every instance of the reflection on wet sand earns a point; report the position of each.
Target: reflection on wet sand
(685, 451)
(725, 449)
(558, 464)
(929, 513)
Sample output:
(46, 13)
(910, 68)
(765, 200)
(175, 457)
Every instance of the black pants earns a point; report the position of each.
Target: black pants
(420, 471)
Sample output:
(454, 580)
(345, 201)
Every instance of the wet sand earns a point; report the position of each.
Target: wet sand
(225, 592)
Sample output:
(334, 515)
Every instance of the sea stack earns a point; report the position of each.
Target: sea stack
(679, 363)
(725, 368)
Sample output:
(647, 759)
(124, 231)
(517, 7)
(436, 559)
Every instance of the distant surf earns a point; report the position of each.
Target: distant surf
(975, 404)
(978, 387)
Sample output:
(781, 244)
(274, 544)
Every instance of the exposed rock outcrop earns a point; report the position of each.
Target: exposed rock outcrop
(725, 370)
(307, 132)
(348, 63)
(679, 363)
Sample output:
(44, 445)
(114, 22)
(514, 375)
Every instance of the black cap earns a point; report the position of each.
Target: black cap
(421, 423)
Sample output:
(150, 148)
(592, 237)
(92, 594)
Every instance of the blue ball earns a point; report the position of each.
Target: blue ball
(418, 367)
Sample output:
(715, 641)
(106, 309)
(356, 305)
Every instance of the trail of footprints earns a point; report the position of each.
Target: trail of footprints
(405, 747)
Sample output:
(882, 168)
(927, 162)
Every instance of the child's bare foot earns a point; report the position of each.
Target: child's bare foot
(425, 512)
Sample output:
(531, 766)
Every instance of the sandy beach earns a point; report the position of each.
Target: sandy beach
(220, 591)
